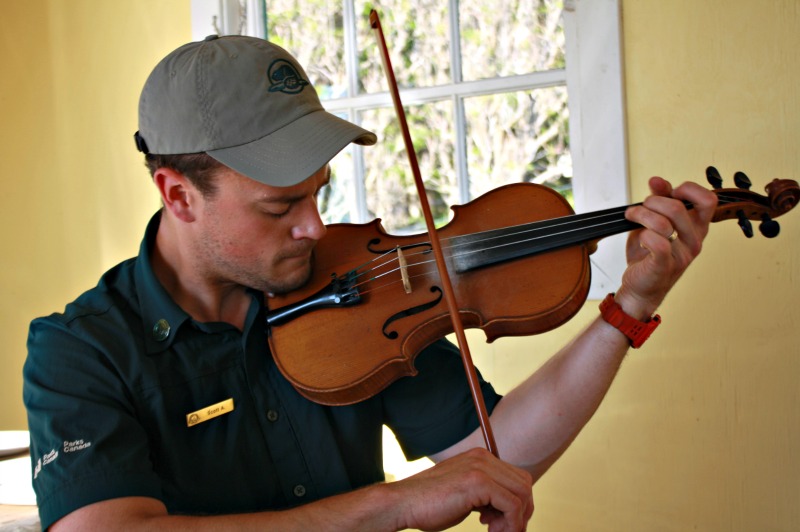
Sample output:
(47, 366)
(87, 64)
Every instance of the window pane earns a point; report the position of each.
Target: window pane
(518, 136)
(417, 36)
(391, 193)
(510, 37)
(289, 24)
(337, 202)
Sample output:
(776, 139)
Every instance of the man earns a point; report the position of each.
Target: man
(153, 401)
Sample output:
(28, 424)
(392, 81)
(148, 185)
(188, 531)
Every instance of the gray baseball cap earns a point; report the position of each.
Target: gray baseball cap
(247, 103)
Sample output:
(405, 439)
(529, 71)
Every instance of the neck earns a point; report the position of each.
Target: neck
(201, 296)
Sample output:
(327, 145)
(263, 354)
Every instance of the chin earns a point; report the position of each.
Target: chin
(298, 278)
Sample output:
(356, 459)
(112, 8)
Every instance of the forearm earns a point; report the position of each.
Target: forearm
(368, 509)
(536, 422)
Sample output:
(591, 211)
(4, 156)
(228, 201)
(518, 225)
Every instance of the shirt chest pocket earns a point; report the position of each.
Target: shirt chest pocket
(192, 384)
(202, 426)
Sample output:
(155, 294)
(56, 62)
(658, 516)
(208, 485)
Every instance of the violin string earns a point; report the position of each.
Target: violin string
(548, 225)
(579, 221)
(581, 224)
(568, 221)
(454, 247)
(525, 230)
(398, 281)
(417, 264)
(374, 259)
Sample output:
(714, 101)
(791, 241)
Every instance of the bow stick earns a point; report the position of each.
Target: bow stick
(447, 287)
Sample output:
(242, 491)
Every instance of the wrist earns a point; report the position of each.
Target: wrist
(388, 500)
(634, 306)
(637, 331)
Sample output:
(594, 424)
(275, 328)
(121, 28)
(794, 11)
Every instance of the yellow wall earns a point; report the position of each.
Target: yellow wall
(701, 431)
(76, 196)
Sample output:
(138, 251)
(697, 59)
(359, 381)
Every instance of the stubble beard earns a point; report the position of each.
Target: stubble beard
(269, 276)
(277, 278)
(285, 286)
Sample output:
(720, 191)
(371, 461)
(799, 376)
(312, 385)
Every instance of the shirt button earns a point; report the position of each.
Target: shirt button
(161, 330)
(272, 415)
(299, 490)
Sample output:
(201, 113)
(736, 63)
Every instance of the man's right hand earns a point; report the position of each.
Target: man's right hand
(444, 495)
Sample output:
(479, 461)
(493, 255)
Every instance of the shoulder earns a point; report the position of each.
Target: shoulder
(99, 314)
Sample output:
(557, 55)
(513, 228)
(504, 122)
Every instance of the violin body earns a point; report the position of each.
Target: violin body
(342, 355)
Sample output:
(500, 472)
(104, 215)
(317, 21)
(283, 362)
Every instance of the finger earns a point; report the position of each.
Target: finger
(660, 186)
(690, 224)
(658, 214)
(703, 200)
(704, 205)
(659, 254)
(510, 506)
(506, 510)
(671, 218)
(510, 476)
(496, 521)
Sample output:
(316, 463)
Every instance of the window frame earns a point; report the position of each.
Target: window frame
(594, 81)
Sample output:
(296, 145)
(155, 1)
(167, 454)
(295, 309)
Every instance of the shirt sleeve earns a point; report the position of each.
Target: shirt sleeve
(434, 409)
(86, 445)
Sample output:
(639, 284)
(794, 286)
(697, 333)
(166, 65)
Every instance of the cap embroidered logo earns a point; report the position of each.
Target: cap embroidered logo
(284, 77)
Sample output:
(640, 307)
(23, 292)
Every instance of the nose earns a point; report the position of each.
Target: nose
(310, 224)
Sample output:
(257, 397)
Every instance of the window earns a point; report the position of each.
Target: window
(495, 92)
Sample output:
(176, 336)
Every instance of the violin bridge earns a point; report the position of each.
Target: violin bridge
(401, 259)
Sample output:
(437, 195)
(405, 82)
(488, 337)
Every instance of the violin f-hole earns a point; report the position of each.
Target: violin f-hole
(392, 335)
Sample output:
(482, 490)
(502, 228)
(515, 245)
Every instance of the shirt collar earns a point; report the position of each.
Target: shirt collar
(161, 316)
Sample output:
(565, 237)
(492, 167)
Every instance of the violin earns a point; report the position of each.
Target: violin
(519, 258)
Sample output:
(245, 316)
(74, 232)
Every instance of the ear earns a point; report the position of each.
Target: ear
(177, 193)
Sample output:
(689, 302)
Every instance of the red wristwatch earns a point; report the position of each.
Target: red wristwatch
(636, 331)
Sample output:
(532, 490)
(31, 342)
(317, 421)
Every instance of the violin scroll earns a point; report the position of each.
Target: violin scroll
(744, 205)
(784, 194)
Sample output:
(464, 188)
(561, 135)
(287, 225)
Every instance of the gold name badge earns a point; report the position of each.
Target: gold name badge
(209, 412)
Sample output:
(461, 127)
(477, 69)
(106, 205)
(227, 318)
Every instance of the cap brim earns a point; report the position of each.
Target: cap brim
(294, 152)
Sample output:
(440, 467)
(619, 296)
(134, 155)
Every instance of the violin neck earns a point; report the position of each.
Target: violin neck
(485, 248)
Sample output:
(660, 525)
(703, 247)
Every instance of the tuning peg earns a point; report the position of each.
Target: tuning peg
(744, 223)
(769, 227)
(742, 181)
(713, 177)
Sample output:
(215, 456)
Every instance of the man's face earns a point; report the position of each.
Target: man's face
(260, 236)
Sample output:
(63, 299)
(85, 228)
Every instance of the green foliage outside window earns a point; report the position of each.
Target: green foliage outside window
(508, 135)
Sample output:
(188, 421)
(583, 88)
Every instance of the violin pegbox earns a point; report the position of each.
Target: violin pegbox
(744, 205)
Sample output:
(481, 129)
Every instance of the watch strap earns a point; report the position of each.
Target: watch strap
(636, 331)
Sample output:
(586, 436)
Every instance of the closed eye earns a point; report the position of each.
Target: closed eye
(276, 213)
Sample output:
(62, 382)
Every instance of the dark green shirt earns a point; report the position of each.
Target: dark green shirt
(110, 383)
